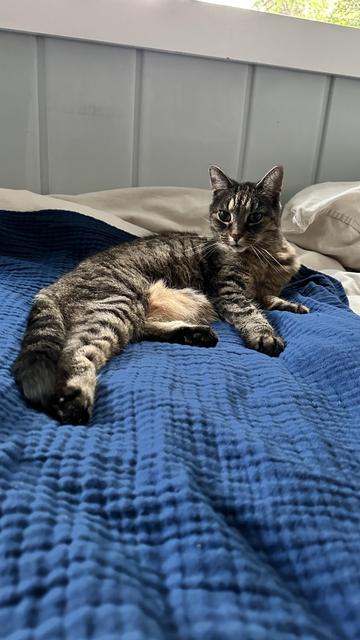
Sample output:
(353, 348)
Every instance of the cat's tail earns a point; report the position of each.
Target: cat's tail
(35, 369)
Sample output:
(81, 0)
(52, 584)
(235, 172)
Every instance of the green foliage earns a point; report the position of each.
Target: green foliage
(345, 12)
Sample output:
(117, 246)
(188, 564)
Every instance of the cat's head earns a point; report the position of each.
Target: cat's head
(248, 213)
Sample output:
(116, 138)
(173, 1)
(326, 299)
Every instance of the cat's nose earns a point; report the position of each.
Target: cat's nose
(235, 237)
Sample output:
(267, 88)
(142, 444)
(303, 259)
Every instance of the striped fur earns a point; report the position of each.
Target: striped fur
(166, 288)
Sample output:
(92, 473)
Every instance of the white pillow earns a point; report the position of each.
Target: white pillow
(326, 218)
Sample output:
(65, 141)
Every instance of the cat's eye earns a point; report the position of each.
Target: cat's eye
(255, 218)
(224, 216)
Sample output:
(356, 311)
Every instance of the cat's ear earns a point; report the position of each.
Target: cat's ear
(272, 181)
(218, 179)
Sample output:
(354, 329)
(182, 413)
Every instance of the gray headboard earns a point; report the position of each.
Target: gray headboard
(77, 116)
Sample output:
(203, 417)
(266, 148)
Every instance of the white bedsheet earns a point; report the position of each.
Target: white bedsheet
(349, 279)
(145, 210)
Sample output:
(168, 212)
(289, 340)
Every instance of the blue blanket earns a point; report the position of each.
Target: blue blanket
(215, 494)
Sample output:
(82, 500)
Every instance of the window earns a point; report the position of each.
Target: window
(343, 12)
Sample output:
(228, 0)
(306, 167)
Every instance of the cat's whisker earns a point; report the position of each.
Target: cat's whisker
(258, 255)
(263, 256)
(211, 251)
(273, 258)
(268, 262)
(267, 258)
(203, 245)
(201, 249)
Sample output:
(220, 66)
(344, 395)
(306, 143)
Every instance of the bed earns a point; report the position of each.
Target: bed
(215, 493)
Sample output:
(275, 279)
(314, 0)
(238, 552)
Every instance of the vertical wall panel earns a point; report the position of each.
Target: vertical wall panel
(340, 158)
(78, 117)
(19, 150)
(191, 116)
(89, 92)
(287, 110)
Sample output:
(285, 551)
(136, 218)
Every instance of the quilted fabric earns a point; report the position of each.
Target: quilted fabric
(215, 494)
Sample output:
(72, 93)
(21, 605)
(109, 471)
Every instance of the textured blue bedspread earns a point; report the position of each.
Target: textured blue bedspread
(215, 494)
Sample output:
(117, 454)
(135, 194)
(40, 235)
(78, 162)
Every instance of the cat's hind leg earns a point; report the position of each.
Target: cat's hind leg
(103, 329)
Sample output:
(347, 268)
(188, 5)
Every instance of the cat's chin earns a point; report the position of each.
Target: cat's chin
(231, 248)
(236, 249)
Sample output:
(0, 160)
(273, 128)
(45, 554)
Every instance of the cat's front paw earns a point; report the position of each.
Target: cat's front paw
(72, 407)
(301, 308)
(268, 343)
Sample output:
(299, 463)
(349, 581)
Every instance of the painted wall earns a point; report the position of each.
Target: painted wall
(77, 117)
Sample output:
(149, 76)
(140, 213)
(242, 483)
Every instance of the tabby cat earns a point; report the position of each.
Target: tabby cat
(166, 287)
